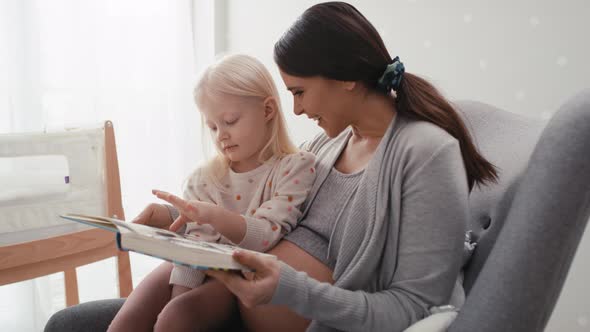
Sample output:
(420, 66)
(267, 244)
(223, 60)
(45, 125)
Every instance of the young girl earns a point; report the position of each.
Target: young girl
(248, 195)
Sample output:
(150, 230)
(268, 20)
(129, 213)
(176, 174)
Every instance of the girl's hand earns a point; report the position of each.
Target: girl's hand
(230, 224)
(155, 215)
(259, 287)
(191, 210)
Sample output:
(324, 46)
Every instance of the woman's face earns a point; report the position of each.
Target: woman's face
(328, 102)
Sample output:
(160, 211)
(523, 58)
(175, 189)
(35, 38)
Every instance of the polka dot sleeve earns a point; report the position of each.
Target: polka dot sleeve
(279, 215)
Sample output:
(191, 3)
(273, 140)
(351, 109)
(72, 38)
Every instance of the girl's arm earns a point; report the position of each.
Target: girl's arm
(279, 215)
(228, 223)
(262, 228)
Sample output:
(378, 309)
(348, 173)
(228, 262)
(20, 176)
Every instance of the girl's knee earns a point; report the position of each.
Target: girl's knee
(171, 318)
(204, 309)
(178, 315)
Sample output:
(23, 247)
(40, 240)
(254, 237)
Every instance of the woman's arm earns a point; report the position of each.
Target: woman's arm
(434, 214)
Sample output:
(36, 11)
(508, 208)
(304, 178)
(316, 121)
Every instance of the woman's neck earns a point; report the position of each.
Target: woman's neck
(374, 114)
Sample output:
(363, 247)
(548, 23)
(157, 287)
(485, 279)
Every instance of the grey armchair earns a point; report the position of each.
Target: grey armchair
(528, 226)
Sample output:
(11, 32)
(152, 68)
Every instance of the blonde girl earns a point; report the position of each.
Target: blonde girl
(248, 195)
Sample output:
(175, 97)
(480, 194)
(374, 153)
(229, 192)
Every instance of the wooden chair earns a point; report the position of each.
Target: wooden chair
(64, 252)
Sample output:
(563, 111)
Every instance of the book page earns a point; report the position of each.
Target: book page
(117, 225)
(159, 234)
(92, 221)
(206, 246)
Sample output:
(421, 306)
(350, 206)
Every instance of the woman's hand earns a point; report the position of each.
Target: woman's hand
(155, 215)
(259, 286)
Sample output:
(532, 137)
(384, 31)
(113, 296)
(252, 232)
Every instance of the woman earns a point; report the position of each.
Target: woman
(386, 219)
(382, 235)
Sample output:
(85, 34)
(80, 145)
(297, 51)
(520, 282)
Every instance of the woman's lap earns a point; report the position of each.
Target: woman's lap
(96, 316)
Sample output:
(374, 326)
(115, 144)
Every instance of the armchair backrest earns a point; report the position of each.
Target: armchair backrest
(507, 140)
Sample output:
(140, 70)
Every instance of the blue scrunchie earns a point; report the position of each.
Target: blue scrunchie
(392, 77)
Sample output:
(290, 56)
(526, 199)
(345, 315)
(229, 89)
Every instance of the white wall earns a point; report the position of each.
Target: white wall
(523, 56)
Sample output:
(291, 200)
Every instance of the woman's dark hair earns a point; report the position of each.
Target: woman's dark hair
(336, 41)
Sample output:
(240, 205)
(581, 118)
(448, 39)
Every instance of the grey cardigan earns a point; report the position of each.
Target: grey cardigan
(401, 246)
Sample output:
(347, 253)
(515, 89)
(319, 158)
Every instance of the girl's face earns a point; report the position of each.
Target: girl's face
(240, 128)
(328, 102)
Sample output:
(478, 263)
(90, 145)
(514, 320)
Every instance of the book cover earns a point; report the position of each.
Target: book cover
(167, 245)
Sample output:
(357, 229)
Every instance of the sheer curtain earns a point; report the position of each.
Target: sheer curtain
(70, 62)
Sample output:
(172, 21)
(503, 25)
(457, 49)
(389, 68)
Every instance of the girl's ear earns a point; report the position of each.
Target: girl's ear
(270, 108)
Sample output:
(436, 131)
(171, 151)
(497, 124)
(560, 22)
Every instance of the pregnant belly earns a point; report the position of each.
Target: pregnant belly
(280, 318)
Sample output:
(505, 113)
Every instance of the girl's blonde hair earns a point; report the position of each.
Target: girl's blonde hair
(242, 76)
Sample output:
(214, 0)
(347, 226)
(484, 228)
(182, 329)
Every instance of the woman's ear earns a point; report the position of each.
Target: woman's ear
(349, 85)
(270, 108)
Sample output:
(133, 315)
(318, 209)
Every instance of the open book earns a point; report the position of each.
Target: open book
(164, 244)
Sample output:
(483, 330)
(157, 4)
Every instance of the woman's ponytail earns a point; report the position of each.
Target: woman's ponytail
(417, 98)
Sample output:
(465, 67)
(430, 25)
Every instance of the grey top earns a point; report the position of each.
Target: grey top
(312, 233)
(398, 248)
